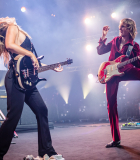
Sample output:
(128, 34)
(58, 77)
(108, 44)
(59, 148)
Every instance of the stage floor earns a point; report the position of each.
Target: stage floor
(80, 142)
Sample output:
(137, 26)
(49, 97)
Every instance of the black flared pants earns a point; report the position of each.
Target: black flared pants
(15, 102)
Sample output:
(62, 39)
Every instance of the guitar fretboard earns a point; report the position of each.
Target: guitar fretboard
(50, 67)
(127, 62)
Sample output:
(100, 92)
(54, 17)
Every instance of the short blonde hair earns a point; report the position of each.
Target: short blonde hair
(131, 26)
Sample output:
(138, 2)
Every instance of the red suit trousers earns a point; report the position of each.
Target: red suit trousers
(111, 94)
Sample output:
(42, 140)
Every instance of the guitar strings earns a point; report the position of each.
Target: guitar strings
(31, 70)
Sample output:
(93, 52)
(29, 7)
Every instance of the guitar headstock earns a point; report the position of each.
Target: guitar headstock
(69, 61)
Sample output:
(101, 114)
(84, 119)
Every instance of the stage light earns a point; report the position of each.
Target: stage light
(2, 82)
(64, 92)
(113, 15)
(47, 85)
(87, 86)
(87, 21)
(3, 96)
(126, 83)
(90, 76)
(62, 84)
(86, 90)
(23, 9)
(105, 90)
(88, 47)
(53, 15)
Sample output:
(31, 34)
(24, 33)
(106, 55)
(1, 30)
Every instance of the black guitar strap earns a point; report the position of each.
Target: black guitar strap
(12, 63)
(129, 49)
(36, 54)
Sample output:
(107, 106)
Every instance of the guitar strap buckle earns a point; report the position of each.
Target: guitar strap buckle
(129, 49)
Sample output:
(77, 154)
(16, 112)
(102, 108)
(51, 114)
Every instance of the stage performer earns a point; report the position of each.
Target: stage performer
(117, 47)
(17, 42)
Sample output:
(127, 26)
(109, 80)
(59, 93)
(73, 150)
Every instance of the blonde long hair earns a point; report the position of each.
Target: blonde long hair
(4, 23)
(131, 26)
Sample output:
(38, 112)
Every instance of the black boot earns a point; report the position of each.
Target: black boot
(113, 144)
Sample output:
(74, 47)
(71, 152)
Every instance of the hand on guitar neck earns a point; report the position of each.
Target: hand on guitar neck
(57, 69)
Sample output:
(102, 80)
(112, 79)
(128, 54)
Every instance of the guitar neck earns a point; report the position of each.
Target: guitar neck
(51, 67)
(127, 62)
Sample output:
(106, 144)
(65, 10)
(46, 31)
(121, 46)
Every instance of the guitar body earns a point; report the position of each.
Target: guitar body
(28, 76)
(108, 70)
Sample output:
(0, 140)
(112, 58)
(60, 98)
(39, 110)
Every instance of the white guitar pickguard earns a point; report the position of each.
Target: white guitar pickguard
(112, 70)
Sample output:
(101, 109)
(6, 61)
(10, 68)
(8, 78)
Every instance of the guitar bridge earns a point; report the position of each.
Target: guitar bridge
(102, 80)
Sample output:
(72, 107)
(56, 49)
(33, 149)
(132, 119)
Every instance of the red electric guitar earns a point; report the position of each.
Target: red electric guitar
(108, 70)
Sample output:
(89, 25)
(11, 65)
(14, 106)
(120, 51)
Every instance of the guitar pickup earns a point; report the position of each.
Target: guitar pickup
(105, 71)
(24, 73)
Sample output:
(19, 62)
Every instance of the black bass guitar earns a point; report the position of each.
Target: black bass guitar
(28, 76)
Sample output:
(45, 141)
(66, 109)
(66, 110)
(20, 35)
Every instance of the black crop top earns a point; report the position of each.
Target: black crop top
(26, 45)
